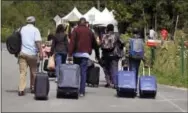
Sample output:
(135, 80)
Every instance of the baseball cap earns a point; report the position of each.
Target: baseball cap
(30, 19)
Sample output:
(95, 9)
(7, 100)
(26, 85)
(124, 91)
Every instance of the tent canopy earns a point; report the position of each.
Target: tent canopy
(105, 18)
(92, 15)
(74, 15)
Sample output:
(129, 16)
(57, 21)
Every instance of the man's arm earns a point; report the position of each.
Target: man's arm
(38, 42)
(95, 46)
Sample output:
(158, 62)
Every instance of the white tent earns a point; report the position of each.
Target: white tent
(105, 18)
(92, 15)
(74, 15)
(57, 18)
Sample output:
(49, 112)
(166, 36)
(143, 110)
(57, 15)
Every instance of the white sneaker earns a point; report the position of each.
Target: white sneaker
(56, 80)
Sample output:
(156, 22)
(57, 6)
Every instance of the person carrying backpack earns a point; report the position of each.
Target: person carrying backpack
(112, 48)
(28, 56)
(136, 51)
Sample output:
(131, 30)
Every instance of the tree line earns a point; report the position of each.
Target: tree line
(129, 13)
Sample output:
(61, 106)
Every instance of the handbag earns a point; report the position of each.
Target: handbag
(51, 63)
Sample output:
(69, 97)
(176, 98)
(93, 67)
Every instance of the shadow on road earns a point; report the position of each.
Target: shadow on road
(27, 90)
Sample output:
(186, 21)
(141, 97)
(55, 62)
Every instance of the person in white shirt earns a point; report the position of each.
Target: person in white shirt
(152, 33)
(31, 45)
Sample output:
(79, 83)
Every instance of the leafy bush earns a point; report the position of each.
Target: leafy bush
(5, 32)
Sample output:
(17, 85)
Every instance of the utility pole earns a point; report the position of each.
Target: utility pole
(98, 5)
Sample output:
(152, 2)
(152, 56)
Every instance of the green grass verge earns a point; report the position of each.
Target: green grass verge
(167, 66)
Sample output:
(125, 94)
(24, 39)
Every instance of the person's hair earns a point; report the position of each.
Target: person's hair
(82, 21)
(136, 31)
(31, 23)
(110, 27)
(60, 29)
(50, 37)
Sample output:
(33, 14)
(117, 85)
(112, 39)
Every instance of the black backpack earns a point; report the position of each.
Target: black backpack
(14, 43)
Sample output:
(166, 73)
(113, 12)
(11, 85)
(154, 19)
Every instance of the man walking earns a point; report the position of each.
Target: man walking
(81, 43)
(31, 43)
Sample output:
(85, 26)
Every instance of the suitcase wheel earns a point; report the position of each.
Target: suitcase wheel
(58, 94)
(41, 98)
(147, 96)
(118, 94)
(77, 96)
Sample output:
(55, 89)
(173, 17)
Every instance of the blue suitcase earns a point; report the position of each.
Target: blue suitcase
(147, 85)
(126, 83)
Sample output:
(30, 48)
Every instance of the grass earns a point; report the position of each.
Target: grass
(167, 66)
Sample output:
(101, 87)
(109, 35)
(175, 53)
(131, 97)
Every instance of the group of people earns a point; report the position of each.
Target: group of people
(77, 47)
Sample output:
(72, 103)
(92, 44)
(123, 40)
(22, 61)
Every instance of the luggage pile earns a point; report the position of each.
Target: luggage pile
(127, 85)
(68, 83)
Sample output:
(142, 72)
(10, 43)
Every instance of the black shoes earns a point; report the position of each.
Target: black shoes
(107, 85)
(21, 93)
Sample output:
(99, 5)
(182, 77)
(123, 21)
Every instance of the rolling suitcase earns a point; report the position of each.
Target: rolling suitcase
(93, 74)
(147, 85)
(42, 85)
(126, 83)
(68, 83)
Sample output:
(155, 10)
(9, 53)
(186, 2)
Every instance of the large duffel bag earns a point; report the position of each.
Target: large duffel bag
(126, 83)
(147, 85)
(68, 80)
(42, 85)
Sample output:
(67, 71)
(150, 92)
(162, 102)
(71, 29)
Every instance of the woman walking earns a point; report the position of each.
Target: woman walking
(59, 48)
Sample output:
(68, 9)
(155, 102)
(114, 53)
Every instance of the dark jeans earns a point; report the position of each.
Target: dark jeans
(110, 68)
(134, 65)
(82, 62)
(60, 58)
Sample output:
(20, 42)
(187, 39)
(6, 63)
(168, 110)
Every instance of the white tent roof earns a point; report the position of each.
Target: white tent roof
(57, 18)
(74, 15)
(93, 11)
(105, 18)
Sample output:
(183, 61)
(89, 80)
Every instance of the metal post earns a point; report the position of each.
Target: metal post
(182, 56)
(152, 55)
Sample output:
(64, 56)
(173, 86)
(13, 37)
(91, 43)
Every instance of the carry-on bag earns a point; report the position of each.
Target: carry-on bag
(68, 80)
(147, 85)
(93, 75)
(51, 63)
(51, 73)
(126, 83)
(42, 85)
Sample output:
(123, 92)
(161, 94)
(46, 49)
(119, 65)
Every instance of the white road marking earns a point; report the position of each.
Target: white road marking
(171, 100)
(172, 103)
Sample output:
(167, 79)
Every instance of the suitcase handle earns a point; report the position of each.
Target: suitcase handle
(40, 66)
(144, 71)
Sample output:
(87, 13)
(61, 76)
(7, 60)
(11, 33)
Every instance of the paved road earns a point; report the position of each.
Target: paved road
(97, 99)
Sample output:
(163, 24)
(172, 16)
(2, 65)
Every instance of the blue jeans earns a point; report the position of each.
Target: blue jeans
(60, 58)
(82, 62)
(134, 65)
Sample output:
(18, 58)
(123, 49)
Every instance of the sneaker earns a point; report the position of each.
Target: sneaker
(82, 95)
(107, 85)
(56, 80)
